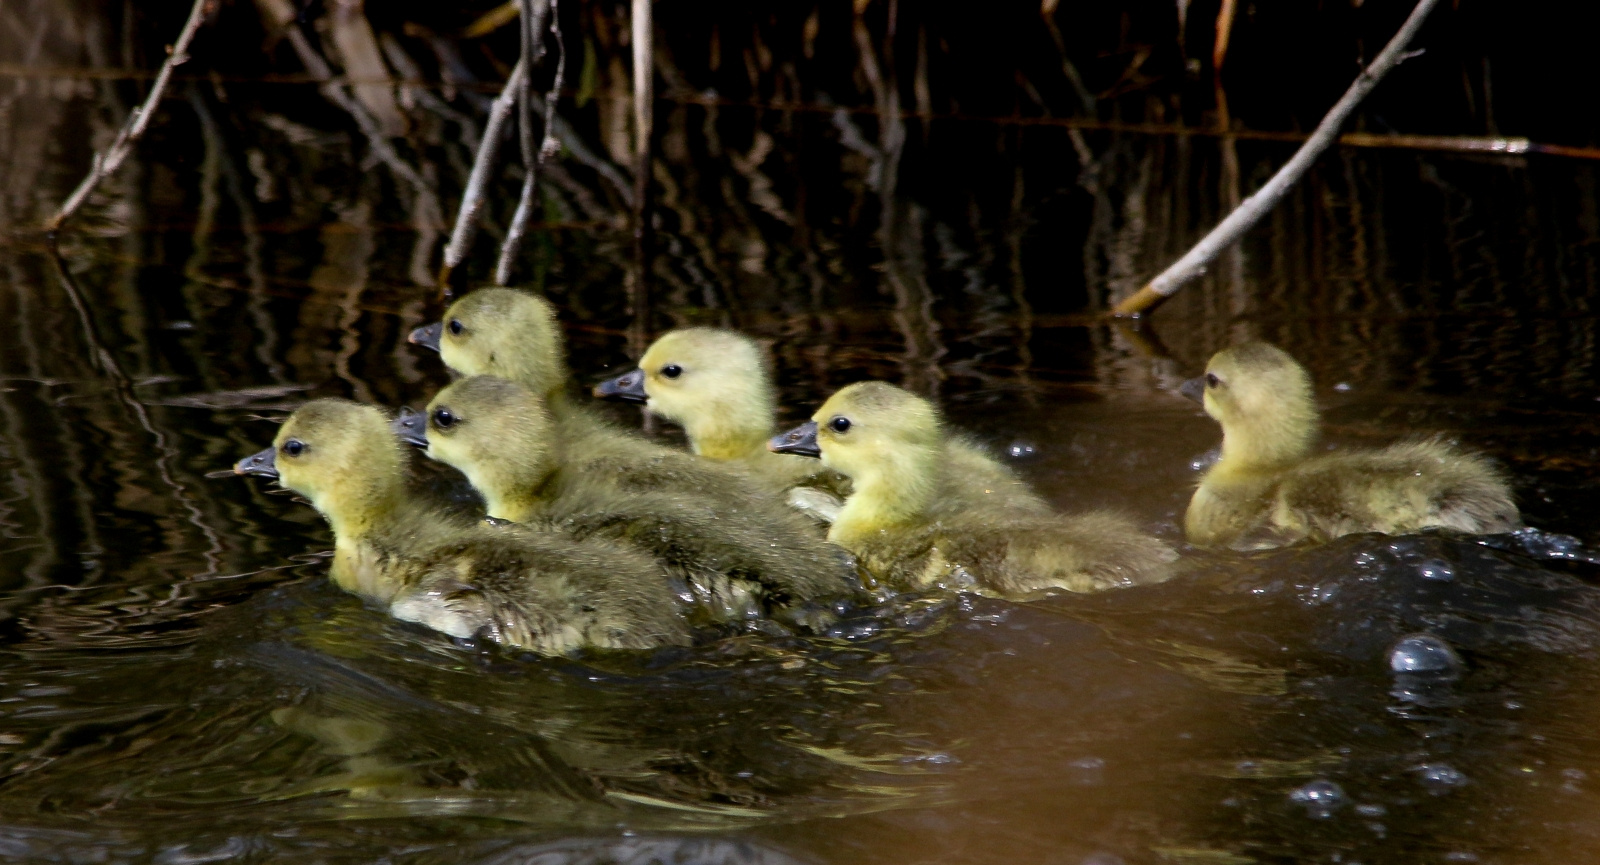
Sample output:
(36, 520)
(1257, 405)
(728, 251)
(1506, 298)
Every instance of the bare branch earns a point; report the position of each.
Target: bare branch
(107, 162)
(532, 158)
(1243, 218)
(472, 198)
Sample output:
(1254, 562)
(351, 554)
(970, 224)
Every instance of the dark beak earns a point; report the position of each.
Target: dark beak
(801, 441)
(410, 427)
(263, 463)
(628, 387)
(1195, 389)
(427, 335)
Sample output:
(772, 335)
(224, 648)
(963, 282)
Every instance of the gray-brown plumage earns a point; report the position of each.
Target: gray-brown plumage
(739, 551)
(929, 510)
(530, 587)
(1267, 489)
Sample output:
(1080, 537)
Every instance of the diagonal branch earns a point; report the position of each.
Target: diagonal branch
(107, 162)
(477, 182)
(1251, 211)
(533, 159)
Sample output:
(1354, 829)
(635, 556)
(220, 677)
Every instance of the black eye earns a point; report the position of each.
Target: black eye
(1212, 380)
(456, 326)
(443, 418)
(840, 424)
(672, 370)
(294, 447)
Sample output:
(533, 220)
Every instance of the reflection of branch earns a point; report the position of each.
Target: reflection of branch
(165, 452)
(1243, 218)
(472, 198)
(107, 162)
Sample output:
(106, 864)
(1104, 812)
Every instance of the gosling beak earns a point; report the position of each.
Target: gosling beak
(800, 441)
(628, 387)
(427, 335)
(263, 463)
(1195, 389)
(410, 427)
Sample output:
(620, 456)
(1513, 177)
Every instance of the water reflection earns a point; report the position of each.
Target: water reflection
(181, 684)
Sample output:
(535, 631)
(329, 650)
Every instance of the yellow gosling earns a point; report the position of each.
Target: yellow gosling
(728, 539)
(717, 385)
(543, 591)
(1267, 490)
(929, 511)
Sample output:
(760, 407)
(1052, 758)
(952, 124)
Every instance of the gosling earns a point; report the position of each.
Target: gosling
(543, 591)
(740, 553)
(928, 511)
(716, 384)
(1267, 490)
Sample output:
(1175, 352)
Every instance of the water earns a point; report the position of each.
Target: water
(179, 682)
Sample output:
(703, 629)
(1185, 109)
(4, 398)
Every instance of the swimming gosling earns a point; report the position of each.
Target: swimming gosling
(726, 538)
(717, 385)
(927, 512)
(1267, 490)
(543, 591)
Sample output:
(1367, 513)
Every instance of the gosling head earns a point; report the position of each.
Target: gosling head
(1262, 397)
(341, 457)
(501, 332)
(871, 431)
(500, 435)
(715, 383)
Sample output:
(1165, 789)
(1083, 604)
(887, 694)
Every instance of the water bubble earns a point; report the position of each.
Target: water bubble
(1436, 569)
(1320, 797)
(1423, 653)
(1342, 387)
(1021, 450)
(1440, 777)
(1371, 810)
(1088, 771)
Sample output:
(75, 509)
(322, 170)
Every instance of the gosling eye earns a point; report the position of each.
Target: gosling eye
(294, 447)
(839, 424)
(672, 370)
(443, 418)
(456, 327)
(1212, 380)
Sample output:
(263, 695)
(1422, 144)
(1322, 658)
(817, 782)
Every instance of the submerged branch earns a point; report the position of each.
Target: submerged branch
(1243, 218)
(107, 162)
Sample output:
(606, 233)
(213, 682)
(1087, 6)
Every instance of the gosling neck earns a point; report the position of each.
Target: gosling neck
(728, 436)
(894, 491)
(515, 489)
(361, 506)
(1267, 444)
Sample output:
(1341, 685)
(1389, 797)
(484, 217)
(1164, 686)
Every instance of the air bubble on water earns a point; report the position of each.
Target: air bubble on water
(1021, 450)
(1320, 797)
(1365, 560)
(1371, 810)
(1440, 777)
(1088, 771)
(1436, 569)
(1342, 387)
(1423, 653)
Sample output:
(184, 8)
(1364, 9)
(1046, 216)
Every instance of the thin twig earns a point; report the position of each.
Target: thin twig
(1243, 218)
(472, 198)
(643, 111)
(108, 161)
(532, 158)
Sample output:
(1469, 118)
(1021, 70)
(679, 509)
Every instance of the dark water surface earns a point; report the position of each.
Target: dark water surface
(179, 683)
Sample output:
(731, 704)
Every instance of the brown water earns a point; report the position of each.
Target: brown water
(179, 683)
